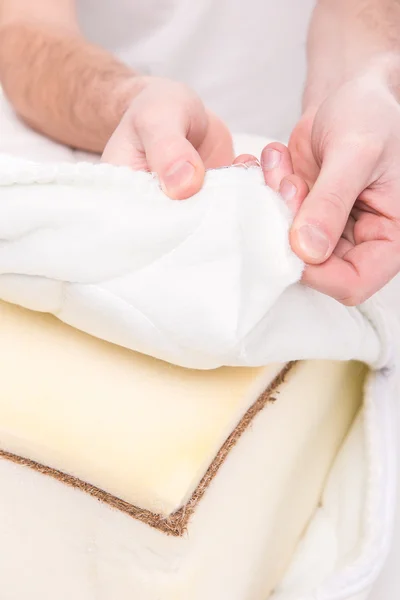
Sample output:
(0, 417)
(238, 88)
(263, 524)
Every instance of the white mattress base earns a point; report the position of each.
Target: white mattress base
(241, 535)
(76, 547)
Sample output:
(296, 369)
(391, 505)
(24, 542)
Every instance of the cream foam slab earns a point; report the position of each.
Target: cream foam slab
(148, 433)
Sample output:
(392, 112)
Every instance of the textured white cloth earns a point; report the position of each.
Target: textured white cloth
(202, 283)
(99, 246)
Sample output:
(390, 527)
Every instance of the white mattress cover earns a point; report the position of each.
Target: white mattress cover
(99, 246)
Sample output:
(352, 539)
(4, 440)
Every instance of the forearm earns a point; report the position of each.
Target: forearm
(63, 86)
(347, 37)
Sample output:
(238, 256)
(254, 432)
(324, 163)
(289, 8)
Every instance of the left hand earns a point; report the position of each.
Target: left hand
(341, 177)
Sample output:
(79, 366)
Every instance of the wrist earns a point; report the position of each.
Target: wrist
(383, 69)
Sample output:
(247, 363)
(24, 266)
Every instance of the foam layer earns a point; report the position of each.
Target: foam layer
(141, 429)
(239, 539)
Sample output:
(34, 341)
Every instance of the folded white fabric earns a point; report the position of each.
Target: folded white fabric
(195, 283)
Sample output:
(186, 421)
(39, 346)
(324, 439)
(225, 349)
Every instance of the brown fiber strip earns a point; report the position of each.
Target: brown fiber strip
(176, 523)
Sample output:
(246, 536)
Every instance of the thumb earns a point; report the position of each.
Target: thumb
(175, 160)
(160, 145)
(345, 173)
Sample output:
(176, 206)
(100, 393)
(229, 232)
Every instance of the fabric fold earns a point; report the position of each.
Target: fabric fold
(202, 283)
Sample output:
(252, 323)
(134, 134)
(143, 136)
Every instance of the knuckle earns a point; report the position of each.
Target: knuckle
(334, 200)
(181, 94)
(378, 227)
(299, 142)
(385, 229)
(393, 228)
(373, 147)
(145, 118)
(353, 300)
(356, 293)
(163, 101)
(365, 146)
(169, 146)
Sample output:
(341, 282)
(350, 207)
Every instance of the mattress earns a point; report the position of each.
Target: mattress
(124, 476)
(177, 480)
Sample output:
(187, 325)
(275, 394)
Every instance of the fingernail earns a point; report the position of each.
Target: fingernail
(271, 158)
(313, 242)
(178, 175)
(287, 190)
(252, 163)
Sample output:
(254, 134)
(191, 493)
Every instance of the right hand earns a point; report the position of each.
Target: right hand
(167, 130)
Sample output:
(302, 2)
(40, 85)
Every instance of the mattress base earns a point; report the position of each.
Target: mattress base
(250, 518)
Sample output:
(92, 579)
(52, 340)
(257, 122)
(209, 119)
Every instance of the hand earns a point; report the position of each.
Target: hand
(167, 129)
(347, 153)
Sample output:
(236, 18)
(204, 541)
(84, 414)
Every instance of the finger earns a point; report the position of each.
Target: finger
(246, 160)
(276, 164)
(343, 247)
(320, 222)
(293, 190)
(348, 232)
(216, 149)
(361, 272)
(124, 148)
(159, 144)
(174, 159)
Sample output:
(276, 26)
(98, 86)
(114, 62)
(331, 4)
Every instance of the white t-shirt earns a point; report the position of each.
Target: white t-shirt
(245, 58)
